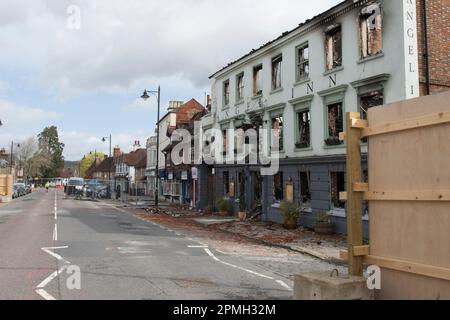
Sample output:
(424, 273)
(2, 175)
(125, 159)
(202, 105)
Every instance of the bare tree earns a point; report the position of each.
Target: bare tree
(32, 159)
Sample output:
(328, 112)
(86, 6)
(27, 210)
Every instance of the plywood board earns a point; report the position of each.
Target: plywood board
(416, 160)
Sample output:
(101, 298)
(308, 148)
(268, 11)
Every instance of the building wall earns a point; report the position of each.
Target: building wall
(438, 13)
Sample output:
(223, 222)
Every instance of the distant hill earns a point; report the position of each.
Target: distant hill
(71, 164)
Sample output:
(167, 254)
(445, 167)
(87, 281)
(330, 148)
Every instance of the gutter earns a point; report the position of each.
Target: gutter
(426, 52)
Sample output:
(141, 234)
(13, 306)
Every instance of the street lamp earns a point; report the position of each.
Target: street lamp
(110, 161)
(145, 96)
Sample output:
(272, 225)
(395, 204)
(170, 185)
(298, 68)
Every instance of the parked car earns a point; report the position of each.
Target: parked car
(21, 189)
(95, 189)
(75, 187)
(15, 192)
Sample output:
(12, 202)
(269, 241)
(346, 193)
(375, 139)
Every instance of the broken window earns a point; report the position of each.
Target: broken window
(371, 30)
(304, 136)
(225, 141)
(337, 185)
(333, 46)
(226, 183)
(367, 101)
(240, 87)
(302, 62)
(276, 72)
(257, 80)
(335, 123)
(278, 186)
(305, 189)
(277, 129)
(226, 93)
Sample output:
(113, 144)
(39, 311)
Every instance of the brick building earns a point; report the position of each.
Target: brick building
(433, 26)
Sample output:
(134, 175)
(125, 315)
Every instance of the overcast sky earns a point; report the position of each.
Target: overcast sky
(87, 81)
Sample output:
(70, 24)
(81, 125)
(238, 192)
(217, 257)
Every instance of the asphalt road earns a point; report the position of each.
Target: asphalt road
(45, 239)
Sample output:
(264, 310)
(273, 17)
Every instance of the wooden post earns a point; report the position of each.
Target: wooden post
(354, 199)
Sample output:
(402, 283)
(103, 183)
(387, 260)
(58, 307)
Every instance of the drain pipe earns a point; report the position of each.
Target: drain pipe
(426, 53)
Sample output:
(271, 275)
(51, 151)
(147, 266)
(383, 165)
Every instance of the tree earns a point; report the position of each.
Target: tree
(88, 160)
(49, 145)
(31, 159)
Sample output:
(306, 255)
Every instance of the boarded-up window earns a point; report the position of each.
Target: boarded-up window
(371, 30)
(278, 186)
(304, 135)
(335, 123)
(257, 80)
(302, 62)
(333, 46)
(337, 185)
(276, 72)
(277, 128)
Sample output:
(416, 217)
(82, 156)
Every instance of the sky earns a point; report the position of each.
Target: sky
(82, 65)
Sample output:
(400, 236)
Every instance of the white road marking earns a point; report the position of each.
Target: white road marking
(44, 294)
(57, 256)
(201, 247)
(283, 284)
(49, 279)
(237, 267)
(55, 233)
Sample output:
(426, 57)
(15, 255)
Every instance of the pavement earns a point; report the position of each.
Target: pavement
(57, 248)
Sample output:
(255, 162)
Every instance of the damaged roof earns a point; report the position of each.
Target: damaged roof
(286, 33)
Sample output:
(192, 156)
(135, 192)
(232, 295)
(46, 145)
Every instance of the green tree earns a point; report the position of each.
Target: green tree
(49, 145)
(88, 160)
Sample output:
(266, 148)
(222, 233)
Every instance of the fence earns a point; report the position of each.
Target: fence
(408, 193)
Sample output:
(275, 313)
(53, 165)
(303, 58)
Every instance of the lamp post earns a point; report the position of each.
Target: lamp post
(110, 161)
(146, 96)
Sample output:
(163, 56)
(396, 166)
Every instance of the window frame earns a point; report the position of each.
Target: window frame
(225, 94)
(275, 193)
(277, 80)
(258, 69)
(273, 116)
(334, 198)
(331, 32)
(363, 19)
(299, 63)
(327, 120)
(297, 127)
(240, 89)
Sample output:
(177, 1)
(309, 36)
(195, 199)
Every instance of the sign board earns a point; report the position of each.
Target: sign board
(184, 175)
(290, 192)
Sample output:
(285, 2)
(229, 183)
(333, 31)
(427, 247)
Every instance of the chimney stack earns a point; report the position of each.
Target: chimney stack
(174, 105)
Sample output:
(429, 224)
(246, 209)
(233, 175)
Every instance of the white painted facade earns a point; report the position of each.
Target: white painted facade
(395, 70)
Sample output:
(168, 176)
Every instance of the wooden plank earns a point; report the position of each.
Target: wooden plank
(361, 251)
(409, 267)
(360, 187)
(438, 195)
(408, 124)
(343, 196)
(354, 199)
(359, 123)
(342, 136)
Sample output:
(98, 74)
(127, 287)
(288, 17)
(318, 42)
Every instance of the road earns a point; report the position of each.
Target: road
(46, 239)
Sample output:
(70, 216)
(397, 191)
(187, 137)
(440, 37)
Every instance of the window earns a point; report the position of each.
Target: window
(278, 186)
(302, 62)
(257, 80)
(335, 124)
(371, 31)
(304, 135)
(277, 128)
(333, 47)
(240, 87)
(305, 189)
(226, 183)
(337, 186)
(226, 93)
(276, 72)
(225, 141)
(367, 101)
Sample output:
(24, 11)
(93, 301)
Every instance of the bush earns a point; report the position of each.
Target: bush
(323, 217)
(289, 210)
(224, 204)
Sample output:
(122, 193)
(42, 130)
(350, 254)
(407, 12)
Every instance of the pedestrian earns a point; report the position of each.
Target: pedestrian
(47, 185)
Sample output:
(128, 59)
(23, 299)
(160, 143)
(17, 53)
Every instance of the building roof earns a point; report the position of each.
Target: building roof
(187, 111)
(106, 165)
(133, 158)
(285, 34)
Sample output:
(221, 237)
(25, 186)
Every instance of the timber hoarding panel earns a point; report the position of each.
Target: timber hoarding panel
(415, 231)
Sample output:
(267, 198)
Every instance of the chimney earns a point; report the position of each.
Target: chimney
(174, 105)
(117, 153)
(208, 102)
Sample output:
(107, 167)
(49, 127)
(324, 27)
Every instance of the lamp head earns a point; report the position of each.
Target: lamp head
(145, 96)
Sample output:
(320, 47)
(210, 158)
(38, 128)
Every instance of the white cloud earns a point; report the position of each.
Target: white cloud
(139, 105)
(14, 116)
(122, 42)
